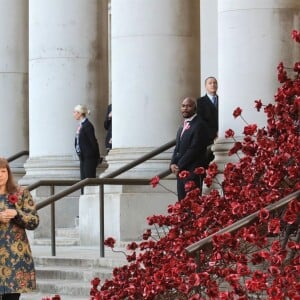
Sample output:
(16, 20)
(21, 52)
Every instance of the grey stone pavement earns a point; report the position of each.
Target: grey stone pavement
(38, 296)
(71, 251)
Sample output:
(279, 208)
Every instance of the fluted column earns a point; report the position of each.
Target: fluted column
(254, 36)
(13, 76)
(208, 40)
(67, 66)
(155, 64)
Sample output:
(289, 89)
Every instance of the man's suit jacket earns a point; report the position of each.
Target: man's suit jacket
(190, 149)
(88, 143)
(209, 113)
(107, 126)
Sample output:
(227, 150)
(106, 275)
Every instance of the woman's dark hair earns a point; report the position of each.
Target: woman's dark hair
(11, 186)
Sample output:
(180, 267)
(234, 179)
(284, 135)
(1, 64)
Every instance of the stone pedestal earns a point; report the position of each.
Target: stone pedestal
(66, 209)
(125, 213)
(118, 158)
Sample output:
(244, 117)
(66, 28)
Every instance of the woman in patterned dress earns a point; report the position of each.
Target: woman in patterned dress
(17, 213)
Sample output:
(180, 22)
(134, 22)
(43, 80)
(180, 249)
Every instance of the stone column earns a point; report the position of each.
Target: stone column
(208, 40)
(68, 66)
(154, 64)
(65, 61)
(254, 36)
(14, 77)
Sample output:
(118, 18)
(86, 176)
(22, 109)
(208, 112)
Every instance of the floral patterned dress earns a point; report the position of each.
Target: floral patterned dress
(17, 273)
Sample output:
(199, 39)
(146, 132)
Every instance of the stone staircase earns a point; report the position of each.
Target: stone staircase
(70, 272)
(71, 276)
(63, 237)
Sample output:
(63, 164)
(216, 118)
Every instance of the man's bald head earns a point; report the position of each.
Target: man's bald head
(188, 107)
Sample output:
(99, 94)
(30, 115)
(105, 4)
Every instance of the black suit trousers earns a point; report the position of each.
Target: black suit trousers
(181, 193)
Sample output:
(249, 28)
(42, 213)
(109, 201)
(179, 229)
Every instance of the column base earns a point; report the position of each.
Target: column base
(220, 149)
(118, 158)
(54, 167)
(125, 214)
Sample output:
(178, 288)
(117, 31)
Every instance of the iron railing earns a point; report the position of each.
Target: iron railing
(105, 180)
(74, 186)
(17, 155)
(206, 242)
(143, 159)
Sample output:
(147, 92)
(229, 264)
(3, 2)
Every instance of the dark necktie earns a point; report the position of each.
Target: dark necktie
(215, 101)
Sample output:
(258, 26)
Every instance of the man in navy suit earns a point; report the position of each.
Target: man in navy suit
(190, 151)
(207, 109)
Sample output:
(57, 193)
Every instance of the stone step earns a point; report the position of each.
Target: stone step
(75, 273)
(71, 277)
(72, 232)
(40, 296)
(69, 274)
(59, 241)
(80, 262)
(64, 287)
(63, 237)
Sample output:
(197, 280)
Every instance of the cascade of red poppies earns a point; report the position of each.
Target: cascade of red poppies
(268, 170)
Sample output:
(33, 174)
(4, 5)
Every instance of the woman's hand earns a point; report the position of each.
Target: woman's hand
(7, 215)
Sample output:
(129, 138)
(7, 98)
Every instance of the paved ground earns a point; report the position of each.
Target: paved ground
(72, 251)
(37, 296)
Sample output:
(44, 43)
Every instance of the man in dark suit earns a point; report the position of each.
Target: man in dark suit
(207, 109)
(107, 126)
(190, 151)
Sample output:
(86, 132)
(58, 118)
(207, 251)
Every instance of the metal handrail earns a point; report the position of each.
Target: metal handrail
(17, 155)
(141, 159)
(108, 179)
(52, 182)
(164, 174)
(76, 185)
(242, 223)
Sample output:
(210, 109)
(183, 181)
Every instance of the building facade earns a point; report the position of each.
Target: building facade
(144, 57)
